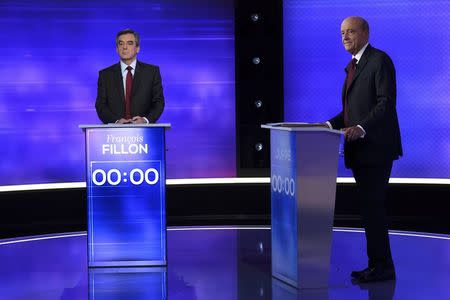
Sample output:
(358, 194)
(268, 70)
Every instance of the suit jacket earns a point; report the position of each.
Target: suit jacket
(371, 100)
(147, 93)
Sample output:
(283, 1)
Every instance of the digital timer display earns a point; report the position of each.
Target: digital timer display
(114, 176)
(115, 173)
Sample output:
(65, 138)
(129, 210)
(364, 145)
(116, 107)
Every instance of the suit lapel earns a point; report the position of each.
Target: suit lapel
(343, 93)
(118, 81)
(136, 78)
(361, 64)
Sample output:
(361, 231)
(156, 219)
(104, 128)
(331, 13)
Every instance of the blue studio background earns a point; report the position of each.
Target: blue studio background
(52, 52)
(415, 34)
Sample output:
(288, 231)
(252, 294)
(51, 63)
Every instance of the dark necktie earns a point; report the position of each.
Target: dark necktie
(351, 68)
(128, 89)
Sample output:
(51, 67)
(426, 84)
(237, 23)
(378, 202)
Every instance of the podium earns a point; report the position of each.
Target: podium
(125, 167)
(304, 160)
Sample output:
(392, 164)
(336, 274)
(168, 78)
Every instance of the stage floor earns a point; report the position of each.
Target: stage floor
(217, 263)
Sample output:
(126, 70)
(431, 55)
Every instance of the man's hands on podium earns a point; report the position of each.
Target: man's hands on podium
(134, 120)
(353, 133)
(139, 120)
(324, 125)
(124, 121)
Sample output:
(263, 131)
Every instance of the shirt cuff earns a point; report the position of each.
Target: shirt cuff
(364, 134)
(329, 124)
(146, 120)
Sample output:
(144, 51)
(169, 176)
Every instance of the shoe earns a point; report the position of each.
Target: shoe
(358, 274)
(377, 274)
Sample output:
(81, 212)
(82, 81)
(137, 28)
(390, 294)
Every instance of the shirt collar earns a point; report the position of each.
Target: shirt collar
(360, 53)
(123, 66)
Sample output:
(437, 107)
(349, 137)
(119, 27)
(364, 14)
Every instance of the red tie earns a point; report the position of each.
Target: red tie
(350, 72)
(128, 89)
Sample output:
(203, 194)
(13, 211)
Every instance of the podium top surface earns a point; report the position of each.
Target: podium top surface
(300, 127)
(165, 125)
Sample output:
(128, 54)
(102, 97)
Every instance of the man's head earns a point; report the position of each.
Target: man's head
(354, 33)
(127, 45)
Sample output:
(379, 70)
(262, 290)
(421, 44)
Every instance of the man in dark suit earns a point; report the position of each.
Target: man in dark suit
(372, 139)
(129, 91)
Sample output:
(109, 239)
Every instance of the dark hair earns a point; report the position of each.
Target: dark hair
(126, 31)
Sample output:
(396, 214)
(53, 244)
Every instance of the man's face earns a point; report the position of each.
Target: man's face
(127, 48)
(354, 37)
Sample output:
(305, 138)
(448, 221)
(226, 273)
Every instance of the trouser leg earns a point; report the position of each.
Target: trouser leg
(372, 186)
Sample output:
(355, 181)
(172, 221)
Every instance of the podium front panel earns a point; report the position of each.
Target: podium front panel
(126, 196)
(284, 205)
(304, 162)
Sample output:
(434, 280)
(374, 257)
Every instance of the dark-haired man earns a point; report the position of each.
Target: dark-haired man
(372, 134)
(129, 91)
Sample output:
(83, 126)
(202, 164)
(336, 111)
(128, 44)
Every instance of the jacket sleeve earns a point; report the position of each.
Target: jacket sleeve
(101, 104)
(337, 122)
(157, 98)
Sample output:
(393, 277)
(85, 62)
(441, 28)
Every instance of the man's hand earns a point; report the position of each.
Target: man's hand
(353, 133)
(139, 120)
(324, 125)
(125, 121)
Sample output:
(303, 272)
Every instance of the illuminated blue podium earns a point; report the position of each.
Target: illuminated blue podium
(304, 160)
(125, 166)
